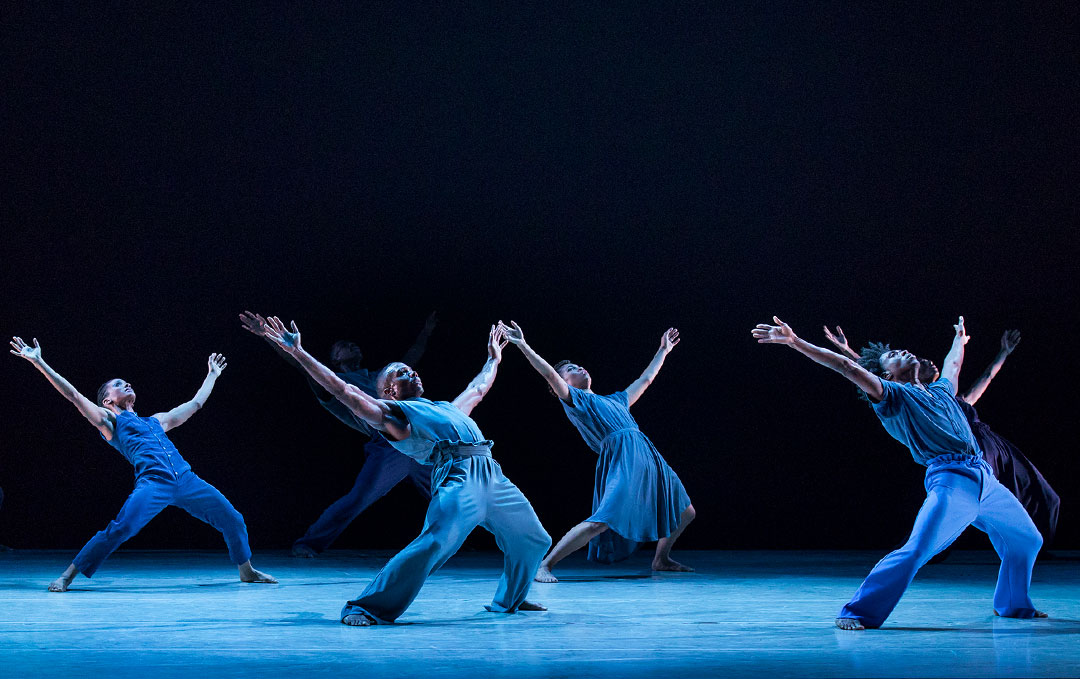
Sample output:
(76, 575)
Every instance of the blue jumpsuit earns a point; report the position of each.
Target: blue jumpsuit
(635, 493)
(960, 491)
(383, 468)
(469, 490)
(162, 478)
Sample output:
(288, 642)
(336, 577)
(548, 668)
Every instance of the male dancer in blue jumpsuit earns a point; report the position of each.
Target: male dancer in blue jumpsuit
(960, 487)
(469, 488)
(162, 476)
(383, 467)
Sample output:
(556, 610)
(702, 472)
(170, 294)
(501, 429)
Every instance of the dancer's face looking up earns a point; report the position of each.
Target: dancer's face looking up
(116, 393)
(899, 365)
(346, 356)
(398, 382)
(575, 376)
(928, 372)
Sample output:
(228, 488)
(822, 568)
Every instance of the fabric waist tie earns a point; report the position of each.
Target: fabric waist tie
(618, 432)
(445, 452)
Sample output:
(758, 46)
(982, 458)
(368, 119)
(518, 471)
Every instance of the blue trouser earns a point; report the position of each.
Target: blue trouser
(383, 468)
(153, 494)
(474, 492)
(960, 491)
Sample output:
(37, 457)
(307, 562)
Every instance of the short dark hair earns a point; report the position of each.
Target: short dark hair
(384, 378)
(102, 391)
(561, 364)
(870, 357)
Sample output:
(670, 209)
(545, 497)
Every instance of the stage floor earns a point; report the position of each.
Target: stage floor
(184, 614)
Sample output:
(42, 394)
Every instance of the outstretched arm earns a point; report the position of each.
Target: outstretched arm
(1009, 340)
(955, 358)
(412, 356)
(371, 410)
(839, 340)
(781, 333)
(516, 336)
(183, 412)
(481, 384)
(95, 414)
(667, 343)
(256, 325)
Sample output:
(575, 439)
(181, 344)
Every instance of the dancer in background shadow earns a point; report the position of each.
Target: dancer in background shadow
(960, 486)
(383, 467)
(1011, 467)
(636, 496)
(468, 486)
(162, 476)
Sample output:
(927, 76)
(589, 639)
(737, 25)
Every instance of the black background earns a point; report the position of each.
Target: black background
(597, 172)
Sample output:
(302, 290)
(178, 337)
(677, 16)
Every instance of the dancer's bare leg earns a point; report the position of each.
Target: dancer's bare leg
(576, 538)
(249, 574)
(61, 583)
(663, 561)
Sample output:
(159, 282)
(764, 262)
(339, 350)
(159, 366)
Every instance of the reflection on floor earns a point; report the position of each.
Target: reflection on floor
(184, 614)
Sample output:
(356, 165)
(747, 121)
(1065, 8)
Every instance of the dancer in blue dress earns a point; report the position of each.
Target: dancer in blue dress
(383, 467)
(162, 476)
(636, 497)
(468, 486)
(961, 490)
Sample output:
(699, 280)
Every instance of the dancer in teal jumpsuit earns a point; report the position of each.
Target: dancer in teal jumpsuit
(468, 486)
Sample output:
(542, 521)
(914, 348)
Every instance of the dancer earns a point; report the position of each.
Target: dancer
(383, 467)
(1011, 467)
(961, 488)
(469, 488)
(636, 497)
(162, 476)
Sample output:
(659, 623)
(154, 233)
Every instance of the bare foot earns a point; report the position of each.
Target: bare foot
(60, 584)
(249, 574)
(670, 564)
(543, 574)
(358, 620)
(849, 623)
(530, 606)
(1038, 614)
(302, 551)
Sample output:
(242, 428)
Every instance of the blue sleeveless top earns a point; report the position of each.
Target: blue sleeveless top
(143, 442)
(431, 423)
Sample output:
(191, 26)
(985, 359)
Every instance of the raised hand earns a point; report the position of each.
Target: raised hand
(513, 333)
(1009, 340)
(496, 341)
(781, 333)
(839, 340)
(24, 350)
(960, 332)
(253, 323)
(280, 335)
(669, 339)
(216, 363)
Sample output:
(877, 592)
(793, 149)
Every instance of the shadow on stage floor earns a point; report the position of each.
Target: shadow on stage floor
(184, 614)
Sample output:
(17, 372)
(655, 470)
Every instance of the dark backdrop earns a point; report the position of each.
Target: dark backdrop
(596, 172)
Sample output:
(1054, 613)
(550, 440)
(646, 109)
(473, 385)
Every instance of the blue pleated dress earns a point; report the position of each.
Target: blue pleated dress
(636, 493)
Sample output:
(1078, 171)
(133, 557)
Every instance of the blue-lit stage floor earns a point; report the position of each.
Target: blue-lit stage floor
(183, 614)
